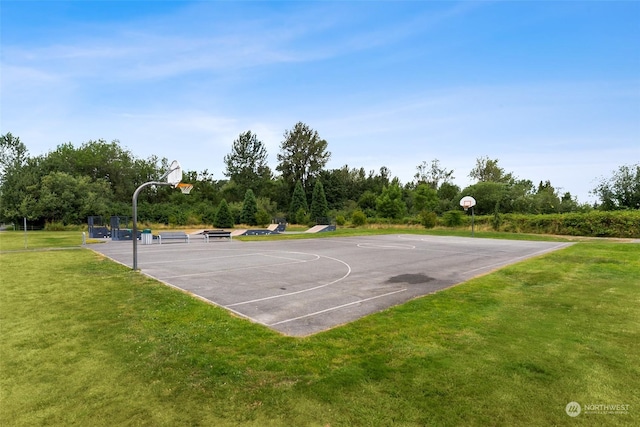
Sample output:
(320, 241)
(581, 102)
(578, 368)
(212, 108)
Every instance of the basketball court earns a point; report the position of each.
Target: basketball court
(301, 287)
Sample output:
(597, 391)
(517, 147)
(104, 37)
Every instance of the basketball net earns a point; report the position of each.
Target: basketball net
(185, 188)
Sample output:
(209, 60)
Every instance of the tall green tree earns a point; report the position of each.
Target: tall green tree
(104, 160)
(246, 165)
(377, 182)
(18, 174)
(425, 198)
(249, 208)
(224, 217)
(488, 195)
(390, 204)
(621, 190)
(68, 199)
(488, 170)
(13, 154)
(298, 202)
(447, 197)
(303, 154)
(319, 207)
(546, 200)
(433, 175)
(367, 202)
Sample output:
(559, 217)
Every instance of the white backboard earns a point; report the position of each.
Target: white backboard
(174, 174)
(467, 202)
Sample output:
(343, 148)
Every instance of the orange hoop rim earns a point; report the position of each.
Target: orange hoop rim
(184, 187)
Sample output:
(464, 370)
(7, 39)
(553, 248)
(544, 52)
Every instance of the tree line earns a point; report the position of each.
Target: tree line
(70, 183)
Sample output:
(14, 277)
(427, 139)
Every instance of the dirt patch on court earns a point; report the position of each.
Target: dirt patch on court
(410, 279)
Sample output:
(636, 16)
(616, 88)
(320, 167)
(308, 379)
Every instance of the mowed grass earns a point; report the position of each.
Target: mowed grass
(86, 341)
(18, 240)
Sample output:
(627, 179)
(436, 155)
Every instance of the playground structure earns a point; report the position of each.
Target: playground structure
(119, 228)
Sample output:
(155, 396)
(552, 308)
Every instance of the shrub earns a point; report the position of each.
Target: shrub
(358, 218)
(453, 218)
(593, 223)
(59, 226)
(263, 218)
(302, 217)
(340, 220)
(54, 226)
(428, 219)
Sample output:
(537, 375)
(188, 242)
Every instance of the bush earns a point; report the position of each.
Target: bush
(263, 218)
(453, 218)
(54, 226)
(623, 224)
(358, 218)
(59, 226)
(302, 217)
(340, 220)
(428, 219)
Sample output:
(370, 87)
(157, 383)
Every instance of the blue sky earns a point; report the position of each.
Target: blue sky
(550, 88)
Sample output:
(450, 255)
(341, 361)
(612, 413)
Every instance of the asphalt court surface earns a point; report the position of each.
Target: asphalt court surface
(301, 287)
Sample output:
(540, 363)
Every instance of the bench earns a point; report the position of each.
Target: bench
(173, 235)
(222, 234)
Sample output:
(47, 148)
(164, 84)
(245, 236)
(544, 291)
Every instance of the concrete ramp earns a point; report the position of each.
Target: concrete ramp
(280, 227)
(321, 228)
(272, 229)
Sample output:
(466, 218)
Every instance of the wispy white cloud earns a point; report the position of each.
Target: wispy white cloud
(185, 84)
(184, 43)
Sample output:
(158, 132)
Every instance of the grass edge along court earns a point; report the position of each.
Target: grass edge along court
(86, 341)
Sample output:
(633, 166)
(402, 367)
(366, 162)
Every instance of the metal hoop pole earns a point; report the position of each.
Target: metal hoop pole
(135, 219)
(472, 221)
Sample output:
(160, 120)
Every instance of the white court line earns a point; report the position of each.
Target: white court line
(336, 308)
(207, 300)
(316, 256)
(203, 259)
(428, 240)
(302, 291)
(380, 246)
(293, 261)
(216, 258)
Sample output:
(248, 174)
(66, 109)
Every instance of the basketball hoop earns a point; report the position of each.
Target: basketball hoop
(467, 202)
(184, 187)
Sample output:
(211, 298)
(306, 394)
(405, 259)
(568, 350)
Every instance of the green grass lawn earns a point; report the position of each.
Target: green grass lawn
(18, 240)
(86, 341)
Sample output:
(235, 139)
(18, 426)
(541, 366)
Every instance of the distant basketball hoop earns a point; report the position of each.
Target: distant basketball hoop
(468, 202)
